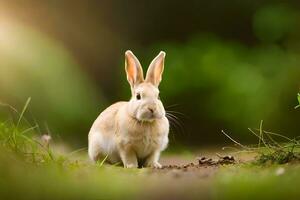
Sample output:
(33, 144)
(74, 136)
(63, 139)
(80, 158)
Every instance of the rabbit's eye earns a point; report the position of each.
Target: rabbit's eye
(138, 96)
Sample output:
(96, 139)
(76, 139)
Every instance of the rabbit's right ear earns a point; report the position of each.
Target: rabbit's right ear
(133, 69)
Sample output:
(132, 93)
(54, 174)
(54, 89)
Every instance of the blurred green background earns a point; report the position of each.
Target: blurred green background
(229, 63)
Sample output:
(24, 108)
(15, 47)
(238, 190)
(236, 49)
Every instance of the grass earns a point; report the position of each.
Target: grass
(31, 169)
(269, 150)
(298, 97)
(257, 182)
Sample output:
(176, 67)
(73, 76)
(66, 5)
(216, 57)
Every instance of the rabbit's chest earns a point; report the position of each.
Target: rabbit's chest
(144, 143)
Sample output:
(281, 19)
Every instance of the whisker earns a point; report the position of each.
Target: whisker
(177, 118)
(175, 122)
(173, 126)
(176, 112)
(172, 106)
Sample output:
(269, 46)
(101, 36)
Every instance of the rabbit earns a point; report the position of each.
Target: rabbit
(135, 132)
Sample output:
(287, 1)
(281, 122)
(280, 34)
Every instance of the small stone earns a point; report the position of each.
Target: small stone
(280, 171)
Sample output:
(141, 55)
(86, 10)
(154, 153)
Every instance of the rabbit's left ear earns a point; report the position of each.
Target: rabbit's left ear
(133, 69)
(155, 70)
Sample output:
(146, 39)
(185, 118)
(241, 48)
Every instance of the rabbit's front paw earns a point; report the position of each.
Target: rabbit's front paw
(131, 165)
(154, 165)
(157, 165)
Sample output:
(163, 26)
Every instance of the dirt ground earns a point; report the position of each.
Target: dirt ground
(202, 165)
(184, 177)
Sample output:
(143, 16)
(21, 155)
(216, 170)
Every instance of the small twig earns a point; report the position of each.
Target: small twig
(279, 135)
(245, 147)
(274, 141)
(78, 150)
(259, 138)
(219, 155)
(260, 133)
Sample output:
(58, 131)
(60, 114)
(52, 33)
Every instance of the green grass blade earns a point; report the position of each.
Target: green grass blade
(298, 97)
(102, 162)
(23, 111)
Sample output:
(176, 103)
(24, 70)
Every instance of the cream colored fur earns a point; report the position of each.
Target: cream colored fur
(129, 132)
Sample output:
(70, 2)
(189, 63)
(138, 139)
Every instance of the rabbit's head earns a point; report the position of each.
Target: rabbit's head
(145, 104)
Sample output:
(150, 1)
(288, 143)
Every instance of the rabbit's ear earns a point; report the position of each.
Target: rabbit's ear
(156, 68)
(133, 69)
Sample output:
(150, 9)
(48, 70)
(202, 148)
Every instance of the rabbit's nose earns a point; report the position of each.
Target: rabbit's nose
(151, 110)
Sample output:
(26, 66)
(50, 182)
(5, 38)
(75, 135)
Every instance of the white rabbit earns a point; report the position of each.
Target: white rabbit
(133, 132)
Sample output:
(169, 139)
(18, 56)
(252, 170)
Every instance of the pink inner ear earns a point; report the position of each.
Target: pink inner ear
(157, 73)
(131, 73)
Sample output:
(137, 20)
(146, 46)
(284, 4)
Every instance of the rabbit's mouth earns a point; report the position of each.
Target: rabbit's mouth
(149, 116)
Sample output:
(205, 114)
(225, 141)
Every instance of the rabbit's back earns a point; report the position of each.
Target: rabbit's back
(106, 121)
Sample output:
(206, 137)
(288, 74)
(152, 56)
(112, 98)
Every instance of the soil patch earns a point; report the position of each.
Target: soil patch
(202, 167)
